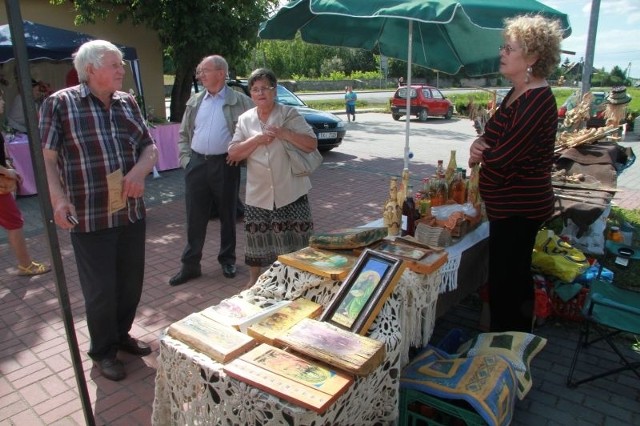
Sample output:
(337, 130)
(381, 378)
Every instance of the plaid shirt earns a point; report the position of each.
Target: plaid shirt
(92, 142)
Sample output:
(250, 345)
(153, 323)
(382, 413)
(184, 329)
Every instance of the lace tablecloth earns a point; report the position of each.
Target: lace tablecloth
(191, 388)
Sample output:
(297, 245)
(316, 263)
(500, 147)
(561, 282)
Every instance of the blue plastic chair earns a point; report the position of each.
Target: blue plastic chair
(608, 311)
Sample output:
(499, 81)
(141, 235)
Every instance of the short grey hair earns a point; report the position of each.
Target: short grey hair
(218, 62)
(92, 53)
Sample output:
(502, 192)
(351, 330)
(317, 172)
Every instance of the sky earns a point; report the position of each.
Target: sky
(617, 38)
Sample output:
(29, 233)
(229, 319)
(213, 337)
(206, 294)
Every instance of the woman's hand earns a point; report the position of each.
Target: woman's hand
(475, 151)
(272, 132)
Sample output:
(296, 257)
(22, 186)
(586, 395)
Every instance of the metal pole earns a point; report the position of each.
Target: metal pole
(24, 81)
(591, 45)
(408, 115)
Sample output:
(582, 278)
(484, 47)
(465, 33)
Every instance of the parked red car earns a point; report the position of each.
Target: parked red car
(425, 101)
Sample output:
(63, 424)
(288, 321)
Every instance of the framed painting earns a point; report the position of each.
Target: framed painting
(364, 291)
(403, 250)
(325, 263)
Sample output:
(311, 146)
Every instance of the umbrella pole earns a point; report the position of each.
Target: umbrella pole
(408, 115)
(37, 159)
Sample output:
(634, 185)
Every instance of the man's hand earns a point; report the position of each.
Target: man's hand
(63, 210)
(133, 184)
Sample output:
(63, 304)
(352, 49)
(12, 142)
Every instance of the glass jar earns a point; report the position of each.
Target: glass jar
(615, 235)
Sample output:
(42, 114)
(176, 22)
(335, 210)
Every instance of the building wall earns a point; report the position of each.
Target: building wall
(143, 39)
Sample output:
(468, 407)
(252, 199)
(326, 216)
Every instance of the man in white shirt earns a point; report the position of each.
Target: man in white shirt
(210, 179)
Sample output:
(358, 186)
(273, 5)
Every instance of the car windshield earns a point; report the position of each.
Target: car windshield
(285, 97)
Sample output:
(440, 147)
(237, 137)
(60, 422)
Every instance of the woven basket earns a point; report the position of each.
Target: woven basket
(433, 236)
(7, 185)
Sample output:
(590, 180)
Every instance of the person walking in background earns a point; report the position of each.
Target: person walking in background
(97, 153)
(350, 101)
(11, 218)
(211, 178)
(516, 156)
(277, 211)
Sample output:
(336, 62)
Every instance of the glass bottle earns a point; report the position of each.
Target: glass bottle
(409, 213)
(615, 235)
(424, 207)
(425, 187)
(439, 193)
(440, 169)
(457, 189)
(449, 174)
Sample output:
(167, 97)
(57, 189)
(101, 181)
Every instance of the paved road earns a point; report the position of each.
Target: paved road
(375, 137)
(371, 96)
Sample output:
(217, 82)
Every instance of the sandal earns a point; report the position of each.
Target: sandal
(34, 268)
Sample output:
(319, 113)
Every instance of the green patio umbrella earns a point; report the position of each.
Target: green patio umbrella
(451, 36)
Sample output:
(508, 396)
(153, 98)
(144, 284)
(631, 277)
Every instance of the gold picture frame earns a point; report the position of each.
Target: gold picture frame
(364, 291)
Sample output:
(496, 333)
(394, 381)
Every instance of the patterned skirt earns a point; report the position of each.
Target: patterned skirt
(273, 232)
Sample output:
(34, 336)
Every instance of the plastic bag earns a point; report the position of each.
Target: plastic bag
(555, 257)
(591, 241)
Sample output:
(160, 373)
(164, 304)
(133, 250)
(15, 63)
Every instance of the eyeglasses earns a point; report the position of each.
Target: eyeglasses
(257, 90)
(207, 71)
(507, 49)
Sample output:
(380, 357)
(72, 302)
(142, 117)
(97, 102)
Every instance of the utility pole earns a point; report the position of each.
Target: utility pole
(591, 45)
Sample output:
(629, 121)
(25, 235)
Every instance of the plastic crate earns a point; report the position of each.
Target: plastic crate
(420, 409)
(572, 309)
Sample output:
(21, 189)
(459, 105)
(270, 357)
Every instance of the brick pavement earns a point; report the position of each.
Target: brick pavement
(37, 383)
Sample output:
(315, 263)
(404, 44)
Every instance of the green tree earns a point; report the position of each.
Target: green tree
(294, 57)
(188, 30)
(617, 77)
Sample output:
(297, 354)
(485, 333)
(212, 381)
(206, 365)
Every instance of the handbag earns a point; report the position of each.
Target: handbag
(303, 163)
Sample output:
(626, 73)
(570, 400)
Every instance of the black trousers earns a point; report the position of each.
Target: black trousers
(511, 290)
(210, 181)
(111, 271)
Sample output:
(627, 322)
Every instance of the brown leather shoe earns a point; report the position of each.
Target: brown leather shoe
(134, 346)
(111, 368)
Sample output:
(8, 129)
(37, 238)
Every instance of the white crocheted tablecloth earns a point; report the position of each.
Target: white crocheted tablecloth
(449, 271)
(192, 389)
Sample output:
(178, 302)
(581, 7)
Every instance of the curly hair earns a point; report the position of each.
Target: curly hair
(537, 35)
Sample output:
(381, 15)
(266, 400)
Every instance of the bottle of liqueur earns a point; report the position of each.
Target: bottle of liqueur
(450, 173)
(409, 213)
(457, 189)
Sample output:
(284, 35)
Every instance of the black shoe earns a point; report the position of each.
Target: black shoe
(228, 270)
(134, 346)
(183, 276)
(111, 368)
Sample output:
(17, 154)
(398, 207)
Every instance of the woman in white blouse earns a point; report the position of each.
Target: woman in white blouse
(278, 214)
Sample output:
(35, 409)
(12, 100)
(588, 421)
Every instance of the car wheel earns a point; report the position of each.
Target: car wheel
(449, 114)
(396, 116)
(423, 115)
